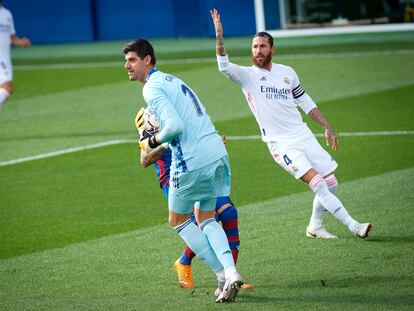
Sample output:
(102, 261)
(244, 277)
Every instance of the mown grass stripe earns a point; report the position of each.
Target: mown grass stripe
(213, 60)
(126, 141)
(132, 270)
(269, 206)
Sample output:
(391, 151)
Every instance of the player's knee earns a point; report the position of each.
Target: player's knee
(177, 219)
(8, 86)
(318, 183)
(172, 222)
(332, 183)
(230, 213)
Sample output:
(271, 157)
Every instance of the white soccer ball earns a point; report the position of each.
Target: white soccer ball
(150, 123)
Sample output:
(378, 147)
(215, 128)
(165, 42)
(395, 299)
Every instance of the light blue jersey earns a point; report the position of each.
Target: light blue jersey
(185, 124)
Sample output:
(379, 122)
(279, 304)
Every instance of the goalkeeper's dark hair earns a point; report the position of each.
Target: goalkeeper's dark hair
(142, 47)
(266, 35)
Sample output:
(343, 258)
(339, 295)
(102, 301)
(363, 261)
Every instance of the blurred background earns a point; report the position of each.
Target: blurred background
(51, 21)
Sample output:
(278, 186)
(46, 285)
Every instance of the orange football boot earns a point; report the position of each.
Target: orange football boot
(247, 286)
(184, 274)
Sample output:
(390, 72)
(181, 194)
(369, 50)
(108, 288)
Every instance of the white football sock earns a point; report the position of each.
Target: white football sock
(221, 276)
(197, 241)
(4, 94)
(318, 211)
(219, 243)
(331, 202)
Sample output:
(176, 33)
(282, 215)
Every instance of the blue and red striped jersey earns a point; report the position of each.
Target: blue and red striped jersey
(162, 167)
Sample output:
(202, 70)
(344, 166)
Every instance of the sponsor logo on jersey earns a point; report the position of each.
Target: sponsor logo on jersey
(271, 92)
(5, 28)
(263, 79)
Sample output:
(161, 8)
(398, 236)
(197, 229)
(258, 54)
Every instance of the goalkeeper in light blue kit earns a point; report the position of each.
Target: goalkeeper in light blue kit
(200, 169)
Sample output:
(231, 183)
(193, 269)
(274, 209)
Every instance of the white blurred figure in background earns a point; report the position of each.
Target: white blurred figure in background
(7, 38)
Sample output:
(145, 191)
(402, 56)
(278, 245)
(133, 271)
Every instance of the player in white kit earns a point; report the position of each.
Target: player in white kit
(273, 93)
(7, 37)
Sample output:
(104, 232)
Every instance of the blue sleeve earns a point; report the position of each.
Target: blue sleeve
(160, 104)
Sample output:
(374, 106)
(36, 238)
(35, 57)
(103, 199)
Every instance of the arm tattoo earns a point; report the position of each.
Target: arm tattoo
(150, 158)
(316, 115)
(220, 49)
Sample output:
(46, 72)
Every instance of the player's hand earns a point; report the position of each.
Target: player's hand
(332, 139)
(217, 22)
(144, 137)
(147, 141)
(139, 119)
(144, 145)
(24, 42)
(224, 139)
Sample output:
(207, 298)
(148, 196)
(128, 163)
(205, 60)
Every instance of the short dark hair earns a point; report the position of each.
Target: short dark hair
(266, 35)
(142, 47)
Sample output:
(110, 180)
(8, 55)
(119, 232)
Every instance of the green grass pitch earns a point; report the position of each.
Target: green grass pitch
(88, 230)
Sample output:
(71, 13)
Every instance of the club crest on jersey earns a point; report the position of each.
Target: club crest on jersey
(286, 79)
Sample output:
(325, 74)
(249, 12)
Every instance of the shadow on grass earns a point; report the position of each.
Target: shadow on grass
(328, 292)
(355, 299)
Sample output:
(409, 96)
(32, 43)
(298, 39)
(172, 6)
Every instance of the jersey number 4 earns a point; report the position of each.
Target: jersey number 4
(196, 104)
(287, 160)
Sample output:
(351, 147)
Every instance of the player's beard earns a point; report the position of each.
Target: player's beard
(264, 62)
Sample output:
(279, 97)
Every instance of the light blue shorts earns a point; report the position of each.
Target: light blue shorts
(205, 184)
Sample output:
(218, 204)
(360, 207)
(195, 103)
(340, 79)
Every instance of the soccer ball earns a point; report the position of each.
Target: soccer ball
(150, 123)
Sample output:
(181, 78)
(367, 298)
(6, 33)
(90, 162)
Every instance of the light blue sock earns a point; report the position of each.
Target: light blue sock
(197, 241)
(218, 241)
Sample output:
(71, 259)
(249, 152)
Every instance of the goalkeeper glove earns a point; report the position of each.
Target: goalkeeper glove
(139, 119)
(147, 141)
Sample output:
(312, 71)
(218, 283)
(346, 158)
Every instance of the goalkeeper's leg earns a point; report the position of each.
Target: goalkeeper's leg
(192, 234)
(183, 266)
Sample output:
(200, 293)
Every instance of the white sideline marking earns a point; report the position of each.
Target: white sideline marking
(213, 60)
(127, 141)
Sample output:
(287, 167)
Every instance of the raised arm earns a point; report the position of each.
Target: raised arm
(220, 49)
(330, 136)
(23, 42)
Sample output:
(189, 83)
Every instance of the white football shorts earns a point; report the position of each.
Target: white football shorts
(6, 71)
(300, 156)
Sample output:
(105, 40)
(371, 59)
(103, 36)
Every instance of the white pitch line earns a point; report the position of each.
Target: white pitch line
(66, 151)
(351, 134)
(127, 141)
(213, 60)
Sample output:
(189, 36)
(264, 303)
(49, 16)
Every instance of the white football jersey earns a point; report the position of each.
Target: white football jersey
(6, 30)
(273, 97)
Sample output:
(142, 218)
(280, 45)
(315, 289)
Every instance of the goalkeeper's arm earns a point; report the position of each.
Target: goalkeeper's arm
(148, 158)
